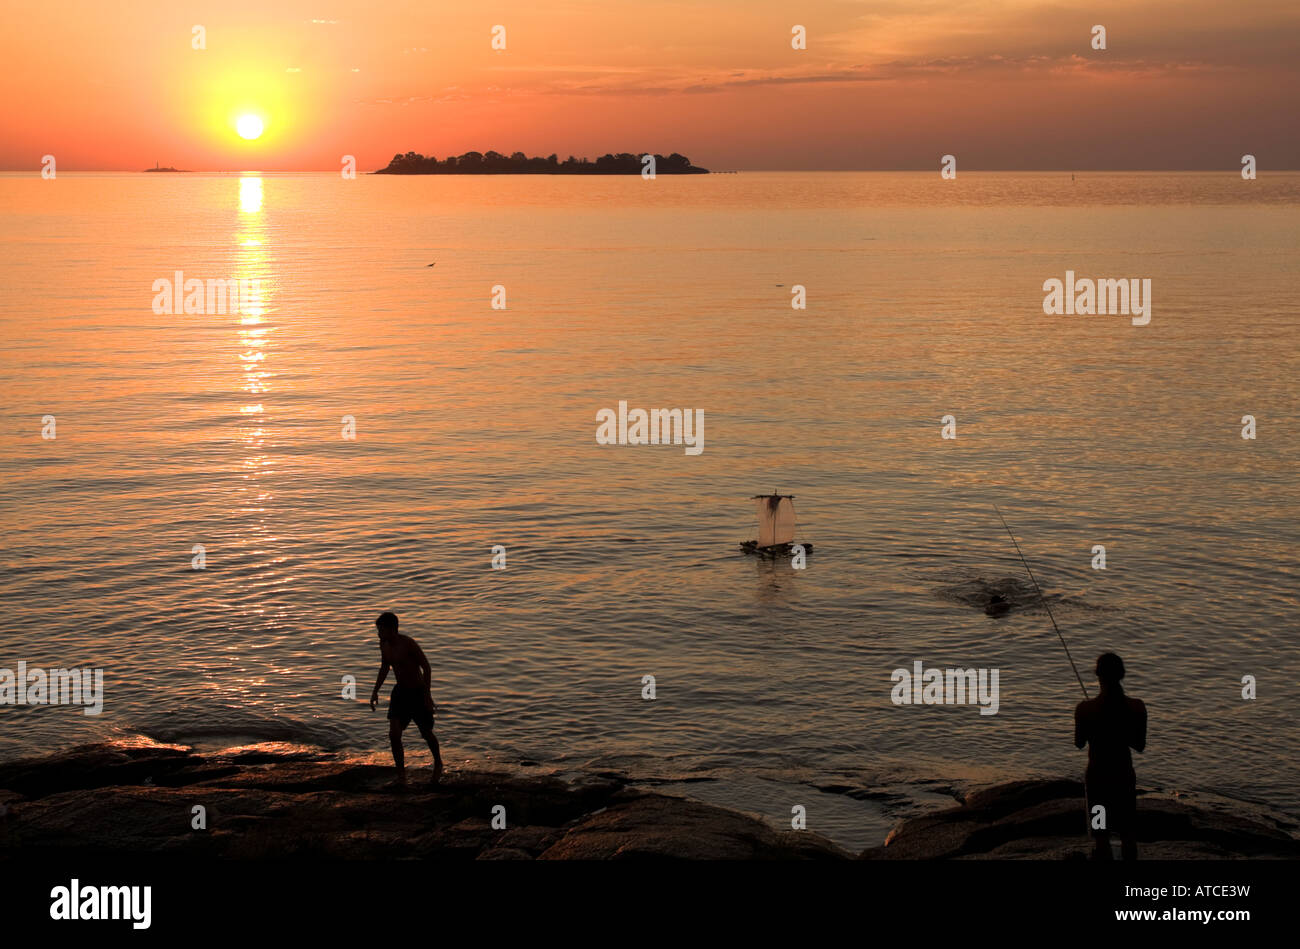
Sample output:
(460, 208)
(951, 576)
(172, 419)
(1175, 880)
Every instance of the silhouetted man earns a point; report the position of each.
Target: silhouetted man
(1110, 725)
(411, 698)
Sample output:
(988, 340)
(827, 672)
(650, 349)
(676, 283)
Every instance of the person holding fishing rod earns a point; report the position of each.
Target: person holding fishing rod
(1109, 725)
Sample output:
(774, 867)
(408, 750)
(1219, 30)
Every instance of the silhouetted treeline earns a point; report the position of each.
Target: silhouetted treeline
(494, 163)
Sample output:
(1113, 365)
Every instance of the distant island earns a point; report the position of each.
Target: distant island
(156, 168)
(494, 163)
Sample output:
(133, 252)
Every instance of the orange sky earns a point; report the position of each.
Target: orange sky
(1004, 84)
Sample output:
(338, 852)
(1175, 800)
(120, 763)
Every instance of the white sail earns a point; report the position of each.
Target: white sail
(775, 521)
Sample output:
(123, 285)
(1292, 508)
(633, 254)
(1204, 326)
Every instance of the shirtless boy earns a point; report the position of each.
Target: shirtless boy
(411, 698)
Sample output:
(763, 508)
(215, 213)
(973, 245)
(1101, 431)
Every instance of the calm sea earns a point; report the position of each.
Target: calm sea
(476, 427)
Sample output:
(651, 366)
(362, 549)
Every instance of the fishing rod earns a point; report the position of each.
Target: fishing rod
(1044, 602)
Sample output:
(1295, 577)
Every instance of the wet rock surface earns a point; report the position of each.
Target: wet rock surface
(1046, 820)
(104, 800)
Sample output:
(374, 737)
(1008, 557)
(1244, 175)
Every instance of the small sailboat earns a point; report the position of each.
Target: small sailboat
(775, 527)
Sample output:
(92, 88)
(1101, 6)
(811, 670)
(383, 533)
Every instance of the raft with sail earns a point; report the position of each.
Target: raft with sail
(776, 526)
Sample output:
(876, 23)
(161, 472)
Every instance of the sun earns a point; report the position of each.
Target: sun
(249, 126)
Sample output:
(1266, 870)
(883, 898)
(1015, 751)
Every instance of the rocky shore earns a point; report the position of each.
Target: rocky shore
(105, 800)
(1046, 820)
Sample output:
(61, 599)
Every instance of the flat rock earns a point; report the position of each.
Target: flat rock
(660, 827)
(99, 800)
(1046, 820)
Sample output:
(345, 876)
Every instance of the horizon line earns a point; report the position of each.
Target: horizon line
(36, 172)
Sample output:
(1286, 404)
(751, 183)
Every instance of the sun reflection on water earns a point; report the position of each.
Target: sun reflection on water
(252, 264)
(250, 194)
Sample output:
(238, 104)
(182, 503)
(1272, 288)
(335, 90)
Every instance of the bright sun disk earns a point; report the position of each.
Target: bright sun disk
(249, 126)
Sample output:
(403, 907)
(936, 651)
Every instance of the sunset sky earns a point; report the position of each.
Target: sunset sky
(1002, 84)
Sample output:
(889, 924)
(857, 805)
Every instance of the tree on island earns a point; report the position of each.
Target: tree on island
(494, 163)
